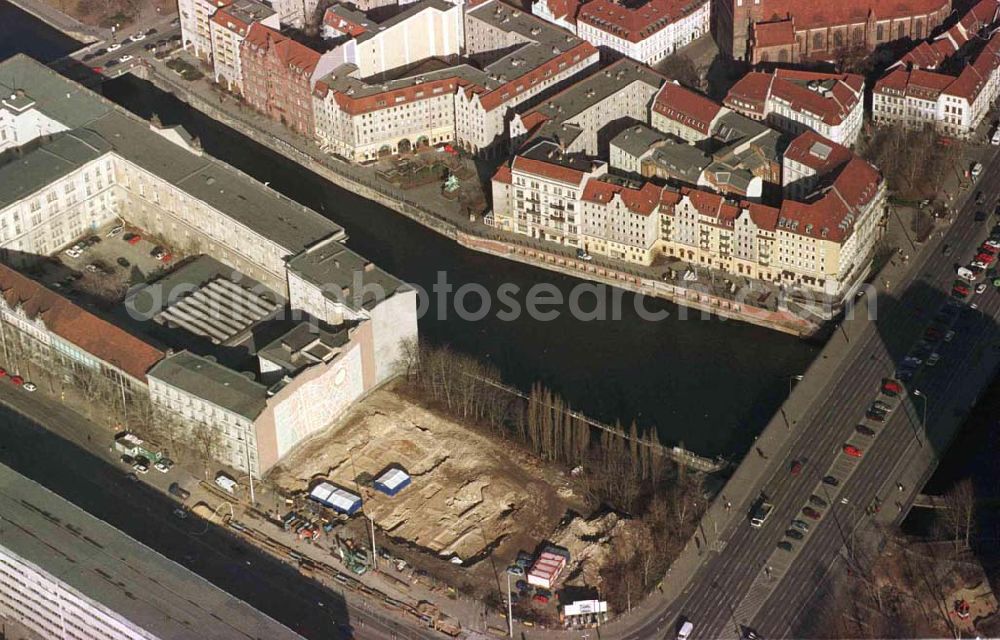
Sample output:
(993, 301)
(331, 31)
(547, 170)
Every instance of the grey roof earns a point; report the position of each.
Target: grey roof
(682, 161)
(594, 88)
(63, 100)
(27, 169)
(104, 127)
(304, 345)
(738, 179)
(344, 79)
(344, 276)
(550, 152)
(210, 381)
(249, 11)
(232, 192)
(637, 139)
(93, 558)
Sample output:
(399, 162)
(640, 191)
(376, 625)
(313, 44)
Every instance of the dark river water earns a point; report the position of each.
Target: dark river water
(709, 384)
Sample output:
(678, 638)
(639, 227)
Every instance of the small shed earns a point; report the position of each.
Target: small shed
(338, 499)
(392, 481)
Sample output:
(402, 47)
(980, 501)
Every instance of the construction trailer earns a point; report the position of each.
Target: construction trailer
(340, 500)
(545, 572)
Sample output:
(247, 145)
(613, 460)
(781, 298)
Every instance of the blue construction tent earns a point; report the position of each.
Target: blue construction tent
(336, 498)
(392, 481)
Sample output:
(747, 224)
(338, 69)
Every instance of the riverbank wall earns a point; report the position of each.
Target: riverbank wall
(347, 177)
(59, 21)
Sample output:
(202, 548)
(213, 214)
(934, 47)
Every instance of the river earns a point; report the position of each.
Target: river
(708, 383)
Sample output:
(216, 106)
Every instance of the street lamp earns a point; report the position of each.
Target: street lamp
(918, 393)
(510, 610)
(796, 378)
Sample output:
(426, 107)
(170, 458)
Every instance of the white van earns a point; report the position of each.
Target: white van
(966, 274)
(226, 483)
(685, 631)
(977, 168)
(995, 140)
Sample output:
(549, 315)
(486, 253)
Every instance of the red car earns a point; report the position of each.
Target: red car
(811, 513)
(132, 238)
(540, 599)
(985, 258)
(796, 467)
(852, 451)
(988, 249)
(17, 380)
(891, 388)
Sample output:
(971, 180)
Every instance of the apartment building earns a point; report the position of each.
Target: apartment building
(684, 113)
(808, 158)
(523, 57)
(648, 32)
(277, 77)
(102, 584)
(196, 27)
(619, 219)
(540, 192)
(362, 122)
(929, 54)
(425, 29)
(793, 101)
(954, 106)
(46, 328)
(229, 27)
(818, 30)
(585, 116)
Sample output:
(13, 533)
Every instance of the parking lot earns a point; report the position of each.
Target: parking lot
(105, 263)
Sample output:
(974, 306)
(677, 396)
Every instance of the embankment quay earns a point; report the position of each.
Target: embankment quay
(706, 299)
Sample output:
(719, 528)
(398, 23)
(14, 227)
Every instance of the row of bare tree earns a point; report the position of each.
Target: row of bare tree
(914, 164)
(626, 470)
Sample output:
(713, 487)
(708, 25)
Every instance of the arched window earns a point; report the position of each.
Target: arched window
(858, 36)
(838, 39)
(901, 31)
(818, 41)
(783, 55)
(918, 30)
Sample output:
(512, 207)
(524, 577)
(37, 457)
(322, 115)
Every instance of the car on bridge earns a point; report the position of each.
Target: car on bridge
(852, 451)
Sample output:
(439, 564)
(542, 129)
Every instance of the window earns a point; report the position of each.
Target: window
(818, 41)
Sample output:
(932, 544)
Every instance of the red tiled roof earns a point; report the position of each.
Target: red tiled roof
(805, 149)
(504, 93)
(503, 175)
(297, 57)
(564, 9)
(773, 34)
(385, 99)
(831, 217)
(97, 337)
(228, 21)
(342, 24)
(549, 170)
(752, 89)
(634, 24)
(688, 107)
(762, 215)
(813, 14)
(832, 109)
(642, 201)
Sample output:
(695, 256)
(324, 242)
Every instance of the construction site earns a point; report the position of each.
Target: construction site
(471, 506)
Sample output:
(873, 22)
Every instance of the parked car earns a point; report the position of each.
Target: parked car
(864, 430)
(830, 480)
(178, 491)
(115, 230)
(794, 534)
(141, 465)
(852, 451)
(114, 46)
(29, 386)
(123, 262)
(164, 465)
(540, 599)
(980, 197)
(933, 359)
(515, 570)
(801, 525)
(785, 545)
(521, 585)
(127, 459)
(981, 287)
(132, 238)
(796, 467)
(811, 513)
(180, 513)
(816, 501)
(891, 388)
(949, 335)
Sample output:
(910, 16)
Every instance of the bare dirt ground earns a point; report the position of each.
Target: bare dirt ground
(469, 494)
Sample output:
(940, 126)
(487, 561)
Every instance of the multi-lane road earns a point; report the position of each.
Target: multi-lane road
(749, 582)
(56, 456)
